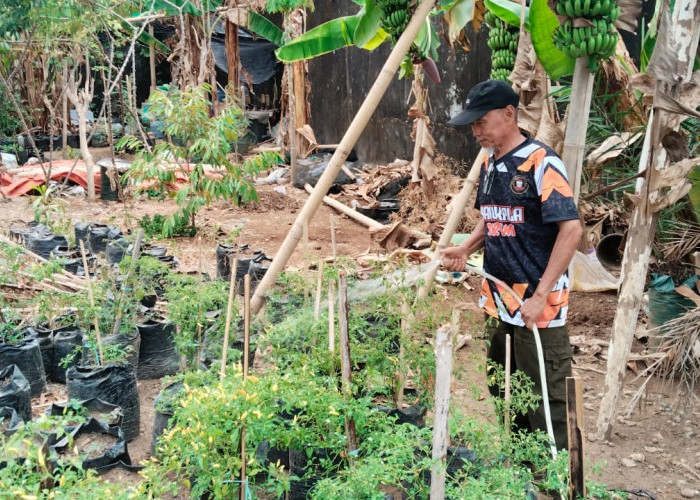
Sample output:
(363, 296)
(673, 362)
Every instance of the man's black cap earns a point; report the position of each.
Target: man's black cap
(482, 98)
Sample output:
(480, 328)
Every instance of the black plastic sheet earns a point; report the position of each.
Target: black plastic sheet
(26, 354)
(15, 392)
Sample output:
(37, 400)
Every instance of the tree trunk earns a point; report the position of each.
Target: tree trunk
(81, 99)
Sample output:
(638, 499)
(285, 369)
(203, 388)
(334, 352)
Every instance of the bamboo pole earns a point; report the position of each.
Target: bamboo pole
(506, 416)
(331, 316)
(246, 357)
(91, 298)
(334, 247)
(458, 207)
(152, 59)
(227, 328)
(341, 207)
(443, 372)
(199, 304)
(401, 382)
(346, 144)
(246, 325)
(132, 268)
(577, 123)
(66, 117)
(319, 290)
(574, 428)
(345, 369)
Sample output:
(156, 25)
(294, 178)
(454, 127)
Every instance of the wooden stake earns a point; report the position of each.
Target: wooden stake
(443, 373)
(574, 428)
(345, 367)
(152, 59)
(199, 305)
(331, 316)
(506, 416)
(401, 382)
(246, 324)
(334, 247)
(319, 289)
(577, 123)
(132, 267)
(458, 206)
(66, 116)
(358, 124)
(246, 357)
(91, 298)
(227, 329)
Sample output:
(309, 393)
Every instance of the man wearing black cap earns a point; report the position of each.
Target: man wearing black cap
(529, 231)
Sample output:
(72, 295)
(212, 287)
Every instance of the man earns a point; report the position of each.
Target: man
(529, 230)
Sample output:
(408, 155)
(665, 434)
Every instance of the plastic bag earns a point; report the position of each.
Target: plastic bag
(26, 354)
(107, 413)
(9, 420)
(113, 383)
(588, 275)
(15, 392)
(157, 356)
(95, 458)
(164, 410)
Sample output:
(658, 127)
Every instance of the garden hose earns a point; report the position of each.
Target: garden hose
(540, 356)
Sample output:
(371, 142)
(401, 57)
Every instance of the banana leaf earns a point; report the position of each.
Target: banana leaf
(325, 38)
(369, 23)
(174, 7)
(508, 11)
(262, 26)
(543, 22)
(457, 17)
(428, 40)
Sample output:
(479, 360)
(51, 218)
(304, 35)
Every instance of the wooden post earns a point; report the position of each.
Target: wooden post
(66, 115)
(132, 268)
(345, 367)
(246, 324)
(199, 305)
(227, 328)
(458, 206)
(577, 123)
(401, 382)
(443, 373)
(333, 244)
(506, 416)
(91, 298)
(246, 357)
(152, 59)
(681, 32)
(319, 290)
(331, 316)
(231, 41)
(574, 428)
(358, 124)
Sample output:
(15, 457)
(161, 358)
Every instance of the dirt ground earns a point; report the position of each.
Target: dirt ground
(653, 449)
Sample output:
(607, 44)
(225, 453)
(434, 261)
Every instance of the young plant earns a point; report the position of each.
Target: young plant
(198, 151)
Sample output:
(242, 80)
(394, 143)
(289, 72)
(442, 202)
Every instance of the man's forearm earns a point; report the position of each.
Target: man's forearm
(475, 241)
(565, 245)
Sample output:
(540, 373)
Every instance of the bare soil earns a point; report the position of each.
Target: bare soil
(657, 439)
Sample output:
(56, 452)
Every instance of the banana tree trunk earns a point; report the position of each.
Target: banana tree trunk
(351, 136)
(577, 123)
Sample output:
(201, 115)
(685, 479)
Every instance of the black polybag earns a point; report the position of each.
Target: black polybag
(15, 392)
(157, 356)
(26, 354)
(116, 453)
(114, 383)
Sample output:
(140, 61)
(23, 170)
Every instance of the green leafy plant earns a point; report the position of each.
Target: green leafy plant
(198, 152)
(154, 227)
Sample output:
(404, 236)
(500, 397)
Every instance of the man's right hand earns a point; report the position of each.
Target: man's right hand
(454, 258)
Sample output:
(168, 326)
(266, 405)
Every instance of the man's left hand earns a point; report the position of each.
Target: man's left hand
(532, 309)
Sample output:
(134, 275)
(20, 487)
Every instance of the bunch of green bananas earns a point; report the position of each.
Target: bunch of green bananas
(397, 14)
(597, 41)
(588, 9)
(503, 42)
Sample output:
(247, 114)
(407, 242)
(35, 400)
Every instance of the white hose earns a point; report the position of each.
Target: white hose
(540, 357)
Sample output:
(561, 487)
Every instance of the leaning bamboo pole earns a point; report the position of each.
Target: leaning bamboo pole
(460, 203)
(351, 136)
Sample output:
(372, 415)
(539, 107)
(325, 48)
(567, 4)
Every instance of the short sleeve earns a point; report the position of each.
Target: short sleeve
(555, 192)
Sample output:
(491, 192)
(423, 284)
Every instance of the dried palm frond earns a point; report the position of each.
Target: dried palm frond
(682, 239)
(678, 357)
